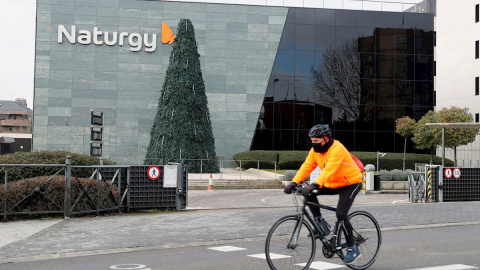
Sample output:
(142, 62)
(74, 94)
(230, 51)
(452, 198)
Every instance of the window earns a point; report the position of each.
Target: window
(477, 83)
(476, 49)
(477, 116)
(477, 17)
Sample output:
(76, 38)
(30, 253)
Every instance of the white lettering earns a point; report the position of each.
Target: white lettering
(113, 41)
(63, 32)
(122, 35)
(84, 37)
(97, 33)
(135, 40)
(135, 46)
(150, 46)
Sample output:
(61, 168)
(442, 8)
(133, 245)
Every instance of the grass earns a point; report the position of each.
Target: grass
(278, 171)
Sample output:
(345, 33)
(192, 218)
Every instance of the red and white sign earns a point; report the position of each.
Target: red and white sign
(457, 173)
(448, 172)
(153, 172)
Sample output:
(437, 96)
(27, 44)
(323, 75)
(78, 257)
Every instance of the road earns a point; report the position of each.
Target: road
(446, 246)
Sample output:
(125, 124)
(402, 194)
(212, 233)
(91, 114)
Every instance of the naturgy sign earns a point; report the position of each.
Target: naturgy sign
(135, 40)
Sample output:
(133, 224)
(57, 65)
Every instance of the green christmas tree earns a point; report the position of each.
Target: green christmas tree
(182, 130)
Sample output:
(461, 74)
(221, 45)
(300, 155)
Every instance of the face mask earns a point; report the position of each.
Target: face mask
(319, 148)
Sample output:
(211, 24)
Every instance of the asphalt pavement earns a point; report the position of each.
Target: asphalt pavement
(218, 216)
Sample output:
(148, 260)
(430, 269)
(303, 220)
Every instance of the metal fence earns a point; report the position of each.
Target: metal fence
(67, 190)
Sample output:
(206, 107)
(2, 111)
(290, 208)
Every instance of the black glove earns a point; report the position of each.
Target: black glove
(308, 189)
(290, 187)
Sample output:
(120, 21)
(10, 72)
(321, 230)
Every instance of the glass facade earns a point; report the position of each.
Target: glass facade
(358, 71)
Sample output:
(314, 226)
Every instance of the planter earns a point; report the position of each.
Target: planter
(394, 185)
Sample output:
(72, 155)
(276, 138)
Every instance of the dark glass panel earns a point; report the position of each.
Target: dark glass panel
(345, 17)
(342, 121)
(291, 16)
(423, 67)
(345, 34)
(424, 21)
(404, 41)
(283, 139)
(408, 20)
(367, 65)
(385, 40)
(384, 93)
(389, 19)
(263, 140)
(404, 67)
(303, 90)
(304, 61)
(385, 142)
(284, 114)
(404, 93)
(324, 37)
(347, 138)
(287, 42)
(402, 111)
(385, 68)
(304, 37)
(323, 115)
(421, 111)
(364, 141)
(304, 115)
(284, 63)
(325, 16)
(265, 120)
(301, 140)
(366, 43)
(305, 16)
(365, 18)
(424, 95)
(366, 117)
(283, 88)
(367, 101)
(385, 118)
(423, 42)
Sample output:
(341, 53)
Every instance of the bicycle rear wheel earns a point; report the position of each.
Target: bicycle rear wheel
(368, 239)
(287, 245)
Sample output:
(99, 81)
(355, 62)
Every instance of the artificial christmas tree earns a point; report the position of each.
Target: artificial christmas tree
(182, 131)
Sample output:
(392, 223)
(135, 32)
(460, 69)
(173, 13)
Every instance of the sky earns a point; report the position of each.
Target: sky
(17, 48)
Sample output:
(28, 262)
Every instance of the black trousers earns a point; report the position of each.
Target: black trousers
(346, 197)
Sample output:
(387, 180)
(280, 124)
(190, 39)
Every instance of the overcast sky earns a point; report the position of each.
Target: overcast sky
(17, 47)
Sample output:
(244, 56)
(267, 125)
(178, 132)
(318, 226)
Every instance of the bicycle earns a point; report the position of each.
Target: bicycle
(288, 245)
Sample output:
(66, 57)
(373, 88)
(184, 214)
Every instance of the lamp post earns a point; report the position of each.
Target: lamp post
(379, 155)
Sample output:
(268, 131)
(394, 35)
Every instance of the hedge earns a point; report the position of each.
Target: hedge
(50, 195)
(292, 160)
(47, 157)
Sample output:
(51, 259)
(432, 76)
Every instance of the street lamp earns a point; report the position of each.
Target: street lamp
(379, 155)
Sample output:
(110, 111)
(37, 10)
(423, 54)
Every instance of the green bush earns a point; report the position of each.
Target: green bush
(394, 175)
(292, 160)
(47, 157)
(288, 175)
(35, 194)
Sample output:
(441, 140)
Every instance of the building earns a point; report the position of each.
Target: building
(15, 126)
(457, 60)
(258, 62)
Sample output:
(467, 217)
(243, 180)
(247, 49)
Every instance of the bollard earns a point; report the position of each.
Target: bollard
(415, 194)
(364, 182)
(210, 183)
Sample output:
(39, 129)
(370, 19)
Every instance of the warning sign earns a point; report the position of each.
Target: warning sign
(448, 172)
(457, 173)
(153, 172)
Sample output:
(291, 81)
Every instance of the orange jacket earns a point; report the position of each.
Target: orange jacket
(338, 167)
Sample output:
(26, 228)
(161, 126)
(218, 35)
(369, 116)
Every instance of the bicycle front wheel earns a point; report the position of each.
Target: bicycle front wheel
(368, 239)
(288, 245)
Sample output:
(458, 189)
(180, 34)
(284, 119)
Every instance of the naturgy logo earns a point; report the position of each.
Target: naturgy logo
(135, 40)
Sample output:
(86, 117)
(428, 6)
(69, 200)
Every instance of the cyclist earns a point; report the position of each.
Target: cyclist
(339, 175)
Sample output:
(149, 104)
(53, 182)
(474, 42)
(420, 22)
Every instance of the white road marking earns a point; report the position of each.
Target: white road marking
(227, 248)
(273, 256)
(448, 267)
(318, 265)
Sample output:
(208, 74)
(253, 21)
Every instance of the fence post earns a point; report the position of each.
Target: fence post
(5, 203)
(68, 175)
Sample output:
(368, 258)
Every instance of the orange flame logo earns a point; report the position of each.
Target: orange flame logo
(167, 34)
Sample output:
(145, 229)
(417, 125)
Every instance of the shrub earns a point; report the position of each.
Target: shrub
(394, 175)
(47, 157)
(288, 175)
(292, 160)
(35, 194)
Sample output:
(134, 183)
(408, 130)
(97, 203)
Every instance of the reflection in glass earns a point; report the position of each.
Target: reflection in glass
(358, 73)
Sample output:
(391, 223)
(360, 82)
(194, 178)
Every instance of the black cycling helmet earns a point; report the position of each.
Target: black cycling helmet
(319, 131)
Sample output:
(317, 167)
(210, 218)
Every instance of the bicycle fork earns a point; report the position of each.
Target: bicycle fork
(293, 243)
